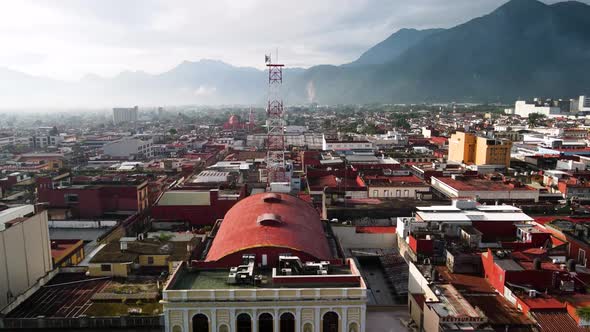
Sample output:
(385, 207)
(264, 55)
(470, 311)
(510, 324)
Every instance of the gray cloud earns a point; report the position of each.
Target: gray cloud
(70, 38)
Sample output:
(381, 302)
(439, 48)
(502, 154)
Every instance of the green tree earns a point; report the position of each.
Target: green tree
(173, 131)
(535, 119)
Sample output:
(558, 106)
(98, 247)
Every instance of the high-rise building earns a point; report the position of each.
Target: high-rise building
(122, 114)
(26, 254)
(469, 149)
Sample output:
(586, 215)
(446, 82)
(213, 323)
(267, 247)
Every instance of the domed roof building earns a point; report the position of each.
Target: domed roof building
(270, 265)
(270, 224)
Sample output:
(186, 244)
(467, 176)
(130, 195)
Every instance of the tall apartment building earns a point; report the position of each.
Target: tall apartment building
(470, 149)
(122, 114)
(25, 254)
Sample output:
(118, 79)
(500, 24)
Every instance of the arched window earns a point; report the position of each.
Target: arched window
(287, 322)
(244, 323)
(223, 328)
(265, 323)
(330, 322)
(307, 327)
(353, 327)
(177, 328)
(200, 323)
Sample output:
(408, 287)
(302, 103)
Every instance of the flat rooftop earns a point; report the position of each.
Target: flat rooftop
(478, 184)
(217, 279)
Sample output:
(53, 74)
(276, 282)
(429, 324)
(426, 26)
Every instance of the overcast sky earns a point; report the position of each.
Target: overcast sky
(67, 39)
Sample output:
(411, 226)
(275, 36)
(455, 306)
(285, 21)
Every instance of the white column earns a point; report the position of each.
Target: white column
(344, 319)
(213, 320)
(298, 320)
(166, 320)
(276, 321)
(363, 314)
(317, 327)
(185, 320)
(232, 319)
(254, 316)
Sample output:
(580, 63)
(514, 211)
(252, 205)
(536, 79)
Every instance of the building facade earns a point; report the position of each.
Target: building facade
(129, 147)
(26, 253)
(468, 148)
(123, 114)
(285, 275)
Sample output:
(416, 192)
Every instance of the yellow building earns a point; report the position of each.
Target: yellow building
(493, 152)
(462, 147)
(120, 259)
(467, 148)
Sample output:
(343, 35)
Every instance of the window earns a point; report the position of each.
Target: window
(330, 322)
(105, 267)
(582, 257)
(287, 323)
(265, 323)
(71, 198)
(150, 260)
(200, 323)
(244, 323)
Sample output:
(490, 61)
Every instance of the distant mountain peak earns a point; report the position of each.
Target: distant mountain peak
(521, 6)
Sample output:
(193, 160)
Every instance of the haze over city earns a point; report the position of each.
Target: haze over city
(295, 166)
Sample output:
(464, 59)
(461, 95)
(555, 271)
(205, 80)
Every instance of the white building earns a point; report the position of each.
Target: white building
(210, 176)
(7, 140)
(129, 147)
(122, 114)
(483, 189)
(26, 251)
(582, 104)
(339, 145)
(524, 109)
(463, 212)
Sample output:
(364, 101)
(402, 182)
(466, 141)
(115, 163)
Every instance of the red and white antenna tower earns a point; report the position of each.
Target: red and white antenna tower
(275, 140)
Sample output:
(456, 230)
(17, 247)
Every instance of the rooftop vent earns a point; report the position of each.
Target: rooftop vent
(272, 198)
(269, 219)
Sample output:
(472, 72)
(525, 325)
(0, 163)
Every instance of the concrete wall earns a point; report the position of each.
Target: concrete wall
(395, 191)
(349, 238)
(117, 270)
(25, 256)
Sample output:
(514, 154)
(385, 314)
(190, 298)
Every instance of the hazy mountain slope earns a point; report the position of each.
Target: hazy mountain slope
(392, 47)
(524, 48)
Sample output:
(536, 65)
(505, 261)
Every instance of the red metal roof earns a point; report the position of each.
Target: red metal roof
(300, 227)
(558, 321)
(376, 229)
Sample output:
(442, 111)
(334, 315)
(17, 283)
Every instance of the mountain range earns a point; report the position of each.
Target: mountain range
(525, 48)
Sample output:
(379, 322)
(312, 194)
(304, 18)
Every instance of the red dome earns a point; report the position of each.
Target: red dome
(270, 221)
(234, 120)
